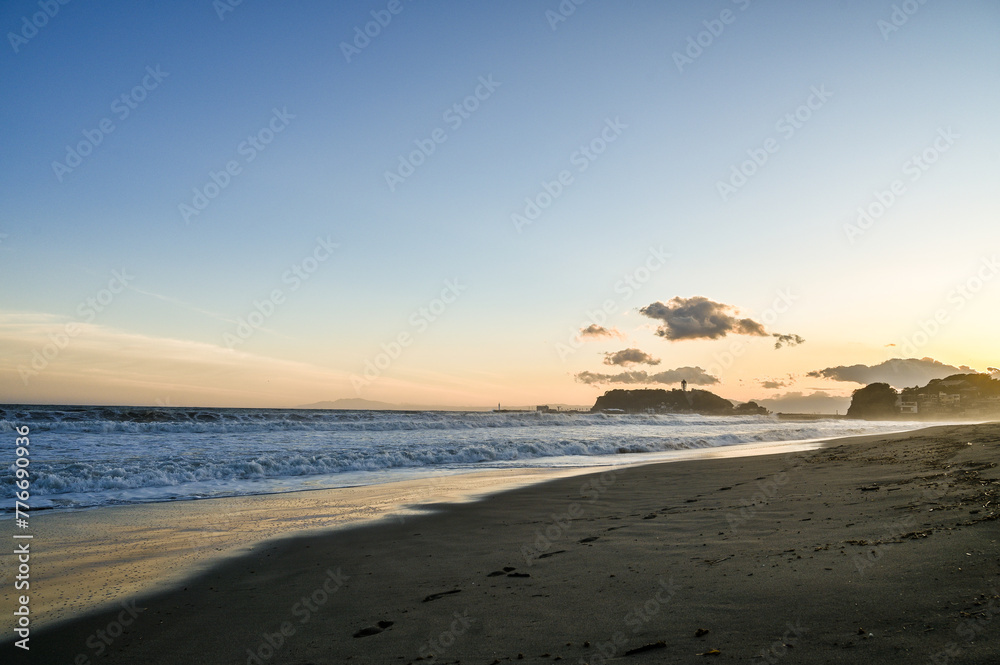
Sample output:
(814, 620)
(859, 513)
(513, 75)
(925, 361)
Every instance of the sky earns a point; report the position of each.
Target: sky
(470, 203)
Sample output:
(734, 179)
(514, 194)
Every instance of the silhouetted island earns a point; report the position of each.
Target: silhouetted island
(959, 396)
(673, 401)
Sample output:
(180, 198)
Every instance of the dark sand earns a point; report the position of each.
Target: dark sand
(871, 550)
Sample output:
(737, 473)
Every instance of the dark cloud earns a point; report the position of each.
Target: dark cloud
(594, 330)
(630, 357)
(786, 340)
(693, 375)
(773, 385)
(897, 372)
(699, 318)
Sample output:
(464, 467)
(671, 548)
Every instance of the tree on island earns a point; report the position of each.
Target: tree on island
(750, 409)
(984, 384)
(672, 401)
(876, 400)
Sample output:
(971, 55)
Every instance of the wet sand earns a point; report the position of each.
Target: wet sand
(872, 549)
(85, 559)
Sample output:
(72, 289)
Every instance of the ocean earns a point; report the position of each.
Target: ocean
(88, 456)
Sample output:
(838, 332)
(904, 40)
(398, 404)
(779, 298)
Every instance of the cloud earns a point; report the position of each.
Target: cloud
(101, 364)
(897, 372)
(787, 340)
(594, 330)
(693, 375)
(699, 318)
(773, 385)
(114, 366)
(630, 357)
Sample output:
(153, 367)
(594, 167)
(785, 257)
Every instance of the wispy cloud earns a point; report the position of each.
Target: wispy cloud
(786, 340)
(181, 303)
(773, 385)
(114, 365)
(594, 330)
(628, 357)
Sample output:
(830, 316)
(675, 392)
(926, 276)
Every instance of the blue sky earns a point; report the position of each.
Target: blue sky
(889, 95)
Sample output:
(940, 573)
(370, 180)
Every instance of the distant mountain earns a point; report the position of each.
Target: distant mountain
(358, 404)
(673, 401)
(354, 403)
(816, 402)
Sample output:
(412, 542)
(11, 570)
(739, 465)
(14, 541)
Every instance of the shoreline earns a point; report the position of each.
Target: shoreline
(390, 474)
(182, 458)
(161, 543)
(693, 508)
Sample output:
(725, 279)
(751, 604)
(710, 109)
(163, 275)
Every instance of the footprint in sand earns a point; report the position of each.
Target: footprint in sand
(498, 573)
(435, 596)
(373, 630)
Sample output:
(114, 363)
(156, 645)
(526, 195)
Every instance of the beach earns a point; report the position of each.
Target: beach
(870, 549)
